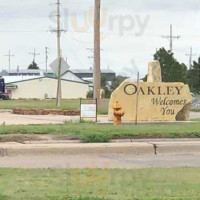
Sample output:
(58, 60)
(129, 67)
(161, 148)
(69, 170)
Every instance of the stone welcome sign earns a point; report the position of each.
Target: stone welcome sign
(157, 101)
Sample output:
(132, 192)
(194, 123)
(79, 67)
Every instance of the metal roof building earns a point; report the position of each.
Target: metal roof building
(88, 73)
(27, 72)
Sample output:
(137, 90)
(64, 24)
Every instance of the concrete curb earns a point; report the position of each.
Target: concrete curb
(132, 149)
(162, 140)
(15, 149)
(177, 148)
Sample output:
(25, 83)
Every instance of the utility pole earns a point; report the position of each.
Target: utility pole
(18, 70)
(59, 56)
(190, 57)
(34, 55)
(137, 98)
(97, 51)
(171, 37)
(9, 58)
(46, 57)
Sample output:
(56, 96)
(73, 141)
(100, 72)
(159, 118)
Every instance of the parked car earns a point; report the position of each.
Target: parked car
(3, 94)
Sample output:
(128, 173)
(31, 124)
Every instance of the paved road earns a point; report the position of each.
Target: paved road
(12, 119)
(102, 161)
(195, 115)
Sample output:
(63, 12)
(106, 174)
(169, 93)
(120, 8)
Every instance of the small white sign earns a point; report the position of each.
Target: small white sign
(88, 111)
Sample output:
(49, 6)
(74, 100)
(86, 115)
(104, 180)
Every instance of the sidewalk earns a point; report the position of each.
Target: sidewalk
(124, 154)
(125, 147)
(12, 119)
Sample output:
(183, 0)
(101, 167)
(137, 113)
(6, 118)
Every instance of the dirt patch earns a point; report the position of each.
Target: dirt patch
(19, 138)
(64, 137)
(152, 136)
(20, 111)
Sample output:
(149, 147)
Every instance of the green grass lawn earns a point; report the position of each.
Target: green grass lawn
(96, 184)
(72, 104)
(68, 104)
(91, 132)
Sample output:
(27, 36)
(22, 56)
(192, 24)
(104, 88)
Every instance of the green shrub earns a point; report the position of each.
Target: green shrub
(2, 197)
(76, 198)
(90, 95)
(85, 198)
(96, 138)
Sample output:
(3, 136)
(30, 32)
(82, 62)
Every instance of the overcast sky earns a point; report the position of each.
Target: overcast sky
(131, 31)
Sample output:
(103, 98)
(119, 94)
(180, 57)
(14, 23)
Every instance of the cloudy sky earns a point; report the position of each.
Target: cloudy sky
(131, 31)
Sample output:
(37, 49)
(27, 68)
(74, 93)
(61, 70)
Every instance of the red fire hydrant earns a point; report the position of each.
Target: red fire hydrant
(118, 113)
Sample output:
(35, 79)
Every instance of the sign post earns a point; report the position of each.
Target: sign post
(137, 99)
(88, 109)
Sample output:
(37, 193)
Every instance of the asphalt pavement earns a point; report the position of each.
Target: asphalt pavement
(12, 119)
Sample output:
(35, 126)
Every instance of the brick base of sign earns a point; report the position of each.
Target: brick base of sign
(46, 112)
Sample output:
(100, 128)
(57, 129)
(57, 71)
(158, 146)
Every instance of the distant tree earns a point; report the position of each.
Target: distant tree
(106, 88)
(117, 81)
(90, 95)
(184, 73)
(144, 79)
(33, 65)
(194, 77)
(104, 83)
(172, 70)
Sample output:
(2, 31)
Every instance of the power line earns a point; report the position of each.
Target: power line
(9, 58)
(23, 31)
(171, 37)
(190, 57)
(91, 32)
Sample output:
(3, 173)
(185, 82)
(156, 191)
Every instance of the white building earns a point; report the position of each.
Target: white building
(69, 75)
(46, 87)
(41, 84)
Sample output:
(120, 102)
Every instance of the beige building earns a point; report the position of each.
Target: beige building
(45, 87)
